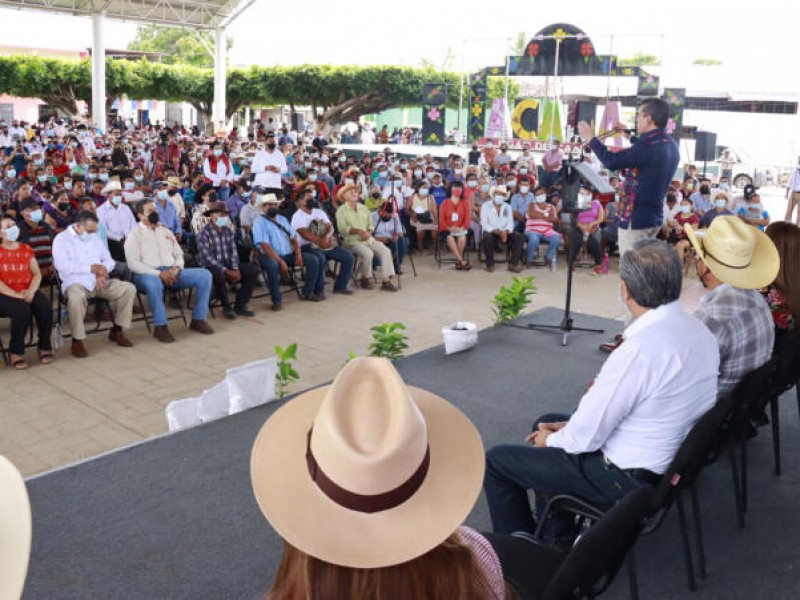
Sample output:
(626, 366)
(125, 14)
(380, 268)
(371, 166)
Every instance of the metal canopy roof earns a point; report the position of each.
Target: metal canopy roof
(175, 13)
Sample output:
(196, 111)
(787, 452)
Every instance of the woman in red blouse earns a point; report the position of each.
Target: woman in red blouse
(454, 221)
(20, 296)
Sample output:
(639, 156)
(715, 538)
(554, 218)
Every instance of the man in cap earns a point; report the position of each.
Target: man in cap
(117, 218)
(217, 252)
(629, 424)
(735, 260)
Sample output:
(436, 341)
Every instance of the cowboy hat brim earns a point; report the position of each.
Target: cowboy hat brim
(15, 530)
(763, 268)
(310, 521)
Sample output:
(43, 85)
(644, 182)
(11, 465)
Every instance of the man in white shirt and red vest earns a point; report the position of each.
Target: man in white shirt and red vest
(218, 171)
(629, 424)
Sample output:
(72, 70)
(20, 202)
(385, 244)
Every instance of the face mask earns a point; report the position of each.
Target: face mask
(312, 177)
(115, 200)
(485, 187)
(129, 185)
(223, 221)
(376, 194)
(245, 194)
(67, 185)
(36, 216)
(342, 159)
(423, 191)
(325, 170)
(382, 174)
(63, 206)
(271, 146)
(162, 194)
(91, 176)
(755, 207)
(272, 212)
(430, 175)
(42, 178)
(138, 178)
(457, 171)
(511, 184)
(472, 184)
(490, 146)
(720, 203)
(74, 144)
(523, 189)
(103, 176)
(312, 204)
(38, 162)
(689, 187)
(417, 173)
(724, 186)
(539, 198)
(584, 199)
(87, 237)
(455, 192)
(307, 164)
(153, 218)
(217, 153)
(499, 200)
(627, 311)
(686, 209)
(523, 171)
(12, 233)
(11, 173)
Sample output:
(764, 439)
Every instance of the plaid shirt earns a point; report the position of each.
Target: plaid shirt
(216, 248)
(742, 323)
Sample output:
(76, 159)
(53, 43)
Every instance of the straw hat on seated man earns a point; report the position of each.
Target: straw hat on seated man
(15, 531)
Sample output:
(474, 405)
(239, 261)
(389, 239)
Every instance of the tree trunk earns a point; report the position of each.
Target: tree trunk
(353, 108)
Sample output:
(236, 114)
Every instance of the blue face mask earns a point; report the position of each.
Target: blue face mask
(36, 216)
(12, 233)
(720, 203)
(223, 221)
(755, 207)
(87, 237)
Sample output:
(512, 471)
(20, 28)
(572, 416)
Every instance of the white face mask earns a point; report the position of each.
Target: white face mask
(628, 315)
(499, 200)
(523, 189)
(540, 198)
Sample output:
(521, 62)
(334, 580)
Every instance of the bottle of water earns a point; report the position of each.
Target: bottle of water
(604, 264)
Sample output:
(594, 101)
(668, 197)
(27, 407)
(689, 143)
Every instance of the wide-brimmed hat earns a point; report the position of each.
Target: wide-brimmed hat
(346, 188)
(15, 531)
(737, 253)
(270, 199)
(499, 189)
(174, 181)
(367, 472)
(216, 207)
(112, 186)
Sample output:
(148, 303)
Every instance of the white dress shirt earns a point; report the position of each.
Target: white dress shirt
(648, 394)
(301, 220)
(148, 249)
(264, 159)
(73, 258)
(491, 220)
(222, 172)
(119, 220)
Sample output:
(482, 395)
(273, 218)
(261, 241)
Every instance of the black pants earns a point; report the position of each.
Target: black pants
(592, 243)
(249, 274)
(117, 251)
(514, 241)
(19, 312)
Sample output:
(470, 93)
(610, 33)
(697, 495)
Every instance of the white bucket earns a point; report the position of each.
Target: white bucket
(459, 336)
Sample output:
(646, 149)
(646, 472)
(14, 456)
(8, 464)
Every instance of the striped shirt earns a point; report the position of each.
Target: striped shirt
(40, 239)
(742, 323)
(542, 226)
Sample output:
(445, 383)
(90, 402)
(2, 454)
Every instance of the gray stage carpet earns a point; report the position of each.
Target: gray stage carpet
(174, 518)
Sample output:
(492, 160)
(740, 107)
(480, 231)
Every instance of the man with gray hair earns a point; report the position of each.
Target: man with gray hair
(629, 424)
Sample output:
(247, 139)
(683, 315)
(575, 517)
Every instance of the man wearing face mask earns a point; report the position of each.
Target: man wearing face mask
(166, 210)
(118, 220)
(217, 252)
(720, 209)
(268, 164)
(702, 199)
(630, 423)
(520, 200)
(37, 234)
(156, 260)
(84, 265)
(317, 237)
(497, 223)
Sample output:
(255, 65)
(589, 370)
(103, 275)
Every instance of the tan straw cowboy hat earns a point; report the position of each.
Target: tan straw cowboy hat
(737, 253)
(15, 531)
(346, 188)
(367, 472)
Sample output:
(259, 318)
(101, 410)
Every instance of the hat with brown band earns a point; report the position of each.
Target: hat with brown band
(367, 472)
(15, 531)
(737, 253)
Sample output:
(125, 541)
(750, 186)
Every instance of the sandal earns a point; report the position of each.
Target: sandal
(19, 364)
(466, 266)
(459, 266)
(45, 357)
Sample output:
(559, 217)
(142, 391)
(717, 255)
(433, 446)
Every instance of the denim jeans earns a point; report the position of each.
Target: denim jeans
(314, 268)
(513, 469)
(340, 255)
(534, 239)
(223, 192)
(200, 279)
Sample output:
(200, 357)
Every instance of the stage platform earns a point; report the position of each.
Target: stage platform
(174, 518)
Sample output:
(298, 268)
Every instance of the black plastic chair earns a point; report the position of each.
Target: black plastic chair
(786, 377)
(707, 433)
(440, 245)
(539, 572)
(169, 295)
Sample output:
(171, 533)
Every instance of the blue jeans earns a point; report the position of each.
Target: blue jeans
(200, 279)
(512, 469)
(223, 193)
(399, 249)
(314, 269)
(534, 239)
(341, 255)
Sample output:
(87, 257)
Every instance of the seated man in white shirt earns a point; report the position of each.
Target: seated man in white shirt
(117, 218)
(497, 224)
(84, 264)
(630, 423)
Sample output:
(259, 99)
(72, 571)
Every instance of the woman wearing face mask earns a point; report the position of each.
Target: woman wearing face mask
(20, 296)
(9, 181)
(720, 207)
(586, 229)
(422, 214)
(59, 213)
(454, 224)
(677, 234)
(205, 196)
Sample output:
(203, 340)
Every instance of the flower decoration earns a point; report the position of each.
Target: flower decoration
(670, 126)
(432, 139)
(434, 114)
(533, 50)
(586, 51)
(477, 110)
(559, 35)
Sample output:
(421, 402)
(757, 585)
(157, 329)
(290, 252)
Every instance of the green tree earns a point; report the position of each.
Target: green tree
(638, 60)
(516, 47)
(707, 62)
(178, 46)
(496, 88)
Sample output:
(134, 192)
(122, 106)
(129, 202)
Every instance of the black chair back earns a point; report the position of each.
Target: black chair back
(751, 394)
(787, 356)
(594, 560)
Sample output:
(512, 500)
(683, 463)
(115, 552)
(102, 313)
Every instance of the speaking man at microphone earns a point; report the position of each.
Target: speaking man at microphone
(648, 165)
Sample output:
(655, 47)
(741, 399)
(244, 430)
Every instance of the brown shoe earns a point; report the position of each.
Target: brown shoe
(116, 335)
(162, 334)
(489, 269)
(514, 269)
(78, 349)
(365, 283)
(201, 327)
(389, 286)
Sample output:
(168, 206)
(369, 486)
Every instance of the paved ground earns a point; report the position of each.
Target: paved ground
(74, 409)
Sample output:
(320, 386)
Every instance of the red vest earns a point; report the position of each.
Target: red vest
(212, 164)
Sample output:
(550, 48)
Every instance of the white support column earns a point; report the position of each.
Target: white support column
(99, 71)
(220, 79)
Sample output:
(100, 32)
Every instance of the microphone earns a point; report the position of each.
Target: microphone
(614, 132)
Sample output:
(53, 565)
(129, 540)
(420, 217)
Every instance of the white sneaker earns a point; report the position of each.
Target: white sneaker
(553, 265)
